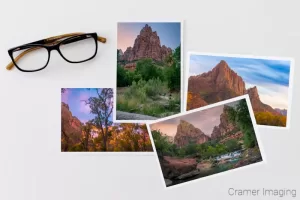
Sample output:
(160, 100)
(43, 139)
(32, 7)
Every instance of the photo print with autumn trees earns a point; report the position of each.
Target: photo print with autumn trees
(214, 78)
(148, 70)
(87, 125)
(201, 143)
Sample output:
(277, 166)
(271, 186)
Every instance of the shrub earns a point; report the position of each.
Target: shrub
(155, 87)
(136, 90)
(148, 70)
(266, 118)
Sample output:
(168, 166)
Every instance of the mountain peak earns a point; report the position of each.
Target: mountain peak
(253, 93)
(222, 65)
(147, 45)
(146, 28)
(188, 133)
(183, 121)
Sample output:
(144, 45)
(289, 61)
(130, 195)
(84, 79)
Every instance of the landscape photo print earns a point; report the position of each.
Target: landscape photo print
(206, 141)
(149, 71)
(87, 124)
(268, 82)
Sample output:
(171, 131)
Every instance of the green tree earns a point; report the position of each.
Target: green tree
(148, 70)
(87, 135)
(122, 79)
(241, 117)
(232, 145)
(173, 72)
(102, 107)
(162, 144)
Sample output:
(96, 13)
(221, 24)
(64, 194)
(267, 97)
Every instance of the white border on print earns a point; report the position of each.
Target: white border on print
(110, 153)
(182, 109)
(291, 78)
(262, 152)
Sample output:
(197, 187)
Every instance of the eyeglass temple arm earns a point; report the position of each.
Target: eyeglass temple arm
(11, 64)
(51, 39)
(48, 40)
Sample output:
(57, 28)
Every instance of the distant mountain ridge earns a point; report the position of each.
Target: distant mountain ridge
(223, 83)
(281, 111)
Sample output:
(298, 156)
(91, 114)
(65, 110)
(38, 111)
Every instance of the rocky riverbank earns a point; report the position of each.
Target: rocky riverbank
(177, 170)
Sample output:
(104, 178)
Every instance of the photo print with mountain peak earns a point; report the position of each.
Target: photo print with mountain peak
(149, 71)
(87, 124)
(206, 141)
(267, 81)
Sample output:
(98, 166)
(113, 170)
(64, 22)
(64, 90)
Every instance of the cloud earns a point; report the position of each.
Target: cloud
(270, 76)
(272, 94)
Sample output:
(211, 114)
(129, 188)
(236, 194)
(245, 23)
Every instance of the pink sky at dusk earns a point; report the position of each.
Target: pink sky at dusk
(168, 32)
(205, 120)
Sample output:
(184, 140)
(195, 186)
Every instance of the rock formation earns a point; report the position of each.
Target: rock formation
(225, 125)
(219, 84)
(257, 105)
(71, 127)
(173, 168)
(195, 101)
(187, 133)
(146, 45)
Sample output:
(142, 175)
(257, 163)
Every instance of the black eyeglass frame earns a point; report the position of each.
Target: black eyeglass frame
(53, 43)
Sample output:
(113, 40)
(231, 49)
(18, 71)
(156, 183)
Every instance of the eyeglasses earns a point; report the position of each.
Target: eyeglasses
(73, 47)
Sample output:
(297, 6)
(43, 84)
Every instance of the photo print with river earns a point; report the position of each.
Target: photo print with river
(206, 141)
(149, 71)
(267, 81)
(87, 124)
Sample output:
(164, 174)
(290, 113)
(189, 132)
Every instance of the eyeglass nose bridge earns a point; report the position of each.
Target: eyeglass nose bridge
(53, 46)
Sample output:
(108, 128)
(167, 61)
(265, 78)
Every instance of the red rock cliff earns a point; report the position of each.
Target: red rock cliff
(146, 45)
(187, 133)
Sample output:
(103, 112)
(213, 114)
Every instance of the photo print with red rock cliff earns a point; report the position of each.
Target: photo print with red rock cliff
(87, 125)
(268, 82)
(206, 141)
(149, 71)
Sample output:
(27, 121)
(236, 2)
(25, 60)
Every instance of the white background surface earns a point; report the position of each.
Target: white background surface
(32, 166)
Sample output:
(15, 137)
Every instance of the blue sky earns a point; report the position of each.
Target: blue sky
(270, 76)
(168, 32)
(73, 97)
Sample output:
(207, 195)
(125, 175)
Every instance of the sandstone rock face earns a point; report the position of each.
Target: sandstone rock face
(257, 105)
(195, 101)
(70, 125)
(219, 84)
(147, 45)
(253, 93)
(224, 77)
(175, 167)
(223, 83)
(187, 133)
(165, 51)
(225, 125)
(237, 136)
(128, 54)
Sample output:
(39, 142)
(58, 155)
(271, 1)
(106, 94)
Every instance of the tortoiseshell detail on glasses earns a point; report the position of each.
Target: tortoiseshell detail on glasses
(52, 43)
